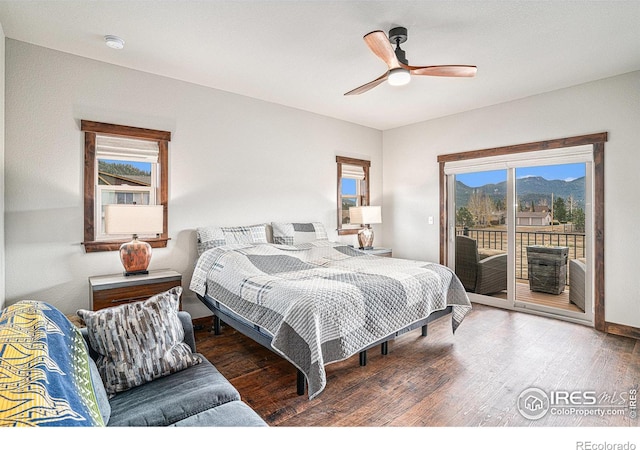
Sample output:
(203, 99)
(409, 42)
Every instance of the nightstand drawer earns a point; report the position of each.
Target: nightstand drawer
(114, 290)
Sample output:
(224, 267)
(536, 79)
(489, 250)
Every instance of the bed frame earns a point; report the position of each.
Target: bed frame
(256, 333)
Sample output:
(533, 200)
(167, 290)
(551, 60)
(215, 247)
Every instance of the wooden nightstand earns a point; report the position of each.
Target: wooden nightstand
(113, 290)
(379, 251)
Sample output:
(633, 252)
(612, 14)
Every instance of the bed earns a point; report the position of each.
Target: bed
(314, 301)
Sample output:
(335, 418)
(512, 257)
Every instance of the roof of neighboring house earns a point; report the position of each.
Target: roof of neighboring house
(532, 214)
(116, 180)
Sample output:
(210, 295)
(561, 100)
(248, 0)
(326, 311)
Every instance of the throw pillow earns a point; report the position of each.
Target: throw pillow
(139, 342)
(298, 233)
(210, 237)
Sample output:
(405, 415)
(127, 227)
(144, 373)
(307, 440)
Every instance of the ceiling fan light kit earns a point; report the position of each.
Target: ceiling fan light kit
(399, 77)
(399, 71)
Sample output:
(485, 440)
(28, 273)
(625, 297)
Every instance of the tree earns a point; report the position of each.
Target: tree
(464, 218)
(559, 210)
(120, 169)
(481, 207)
(578, 220)
(570, 205)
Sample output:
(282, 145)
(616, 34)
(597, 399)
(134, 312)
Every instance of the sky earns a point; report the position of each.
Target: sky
(348, 186)
(566, 172)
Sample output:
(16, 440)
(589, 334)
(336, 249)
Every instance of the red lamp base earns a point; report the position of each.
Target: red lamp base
(135, 257)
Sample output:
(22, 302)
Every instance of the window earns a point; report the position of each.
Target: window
(353, 190)
(123, 165)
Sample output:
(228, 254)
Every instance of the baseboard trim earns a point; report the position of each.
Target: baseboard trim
(622, 330)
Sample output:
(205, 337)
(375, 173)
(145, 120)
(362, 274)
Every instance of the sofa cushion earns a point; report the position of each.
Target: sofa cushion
(101, 394)
(232, 414)
(171, 399)
(139, 342)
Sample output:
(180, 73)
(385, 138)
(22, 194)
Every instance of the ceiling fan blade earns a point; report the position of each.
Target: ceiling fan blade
(379, 44)
(369, 85)
(443, 71)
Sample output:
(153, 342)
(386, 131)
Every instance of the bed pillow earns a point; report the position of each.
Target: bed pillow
(210, 237)
(297, 233)
(138, 342)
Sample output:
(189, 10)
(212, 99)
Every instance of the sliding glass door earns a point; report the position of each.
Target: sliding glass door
(520, 234)
(481, 237)
(552, 205)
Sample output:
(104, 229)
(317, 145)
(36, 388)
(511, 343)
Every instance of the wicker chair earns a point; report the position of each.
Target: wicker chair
(482, 276)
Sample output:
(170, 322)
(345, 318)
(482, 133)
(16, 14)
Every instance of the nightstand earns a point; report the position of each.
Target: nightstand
(113, 290)
(379, 251)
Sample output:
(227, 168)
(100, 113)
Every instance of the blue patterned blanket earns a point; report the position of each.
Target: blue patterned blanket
(44, 369)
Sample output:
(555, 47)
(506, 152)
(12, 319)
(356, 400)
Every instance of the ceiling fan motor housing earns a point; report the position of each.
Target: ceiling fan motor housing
(397, 36)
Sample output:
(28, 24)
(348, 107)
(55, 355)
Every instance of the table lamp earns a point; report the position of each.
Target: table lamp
(135, 220)
(365, 215)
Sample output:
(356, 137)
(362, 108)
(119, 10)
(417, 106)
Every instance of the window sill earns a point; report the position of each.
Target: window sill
(109, 246)
(345, 231)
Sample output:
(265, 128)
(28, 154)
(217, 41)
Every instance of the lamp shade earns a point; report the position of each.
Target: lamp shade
(133, 219)
(365, 214)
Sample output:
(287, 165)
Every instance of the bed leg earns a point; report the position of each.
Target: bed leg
(363, 358)
(300, 383)
(424, 330)
(384, 348)
(216, 325)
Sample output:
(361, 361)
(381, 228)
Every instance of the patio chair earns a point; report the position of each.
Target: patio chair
(577, 270)
(481, 276)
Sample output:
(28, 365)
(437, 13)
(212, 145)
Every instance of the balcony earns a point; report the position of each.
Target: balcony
(494, 240)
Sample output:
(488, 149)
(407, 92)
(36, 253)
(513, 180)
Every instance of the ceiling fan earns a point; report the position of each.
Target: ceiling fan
(400, 71)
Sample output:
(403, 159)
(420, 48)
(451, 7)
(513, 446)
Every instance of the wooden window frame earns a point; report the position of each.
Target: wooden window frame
(91, 130)
(366, 165)
(597, 142)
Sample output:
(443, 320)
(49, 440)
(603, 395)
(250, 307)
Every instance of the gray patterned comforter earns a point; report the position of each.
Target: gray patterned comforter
(324, 302)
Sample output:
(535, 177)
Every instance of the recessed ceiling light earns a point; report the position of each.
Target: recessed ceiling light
(114, 42)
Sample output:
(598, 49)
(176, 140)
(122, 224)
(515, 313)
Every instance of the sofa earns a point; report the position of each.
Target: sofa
(198, 395)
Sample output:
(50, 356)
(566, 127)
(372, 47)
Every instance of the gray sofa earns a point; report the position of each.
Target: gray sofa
(196, 396)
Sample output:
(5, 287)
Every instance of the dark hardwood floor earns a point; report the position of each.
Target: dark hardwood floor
(469, 379)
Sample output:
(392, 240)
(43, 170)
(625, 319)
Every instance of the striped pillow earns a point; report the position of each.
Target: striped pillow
(139, 342)
(210, 237)
(298, 233)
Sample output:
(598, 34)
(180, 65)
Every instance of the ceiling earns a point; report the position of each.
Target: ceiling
(307, 54)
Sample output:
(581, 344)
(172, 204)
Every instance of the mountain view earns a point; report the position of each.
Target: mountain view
(533, 189)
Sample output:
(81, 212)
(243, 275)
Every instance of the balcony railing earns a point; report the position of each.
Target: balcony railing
(497, 239)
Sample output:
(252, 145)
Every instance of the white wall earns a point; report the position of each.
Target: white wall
(233, 161)
(411, 184)
(2, 250)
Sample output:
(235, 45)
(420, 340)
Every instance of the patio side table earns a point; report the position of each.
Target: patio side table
(547, 268)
